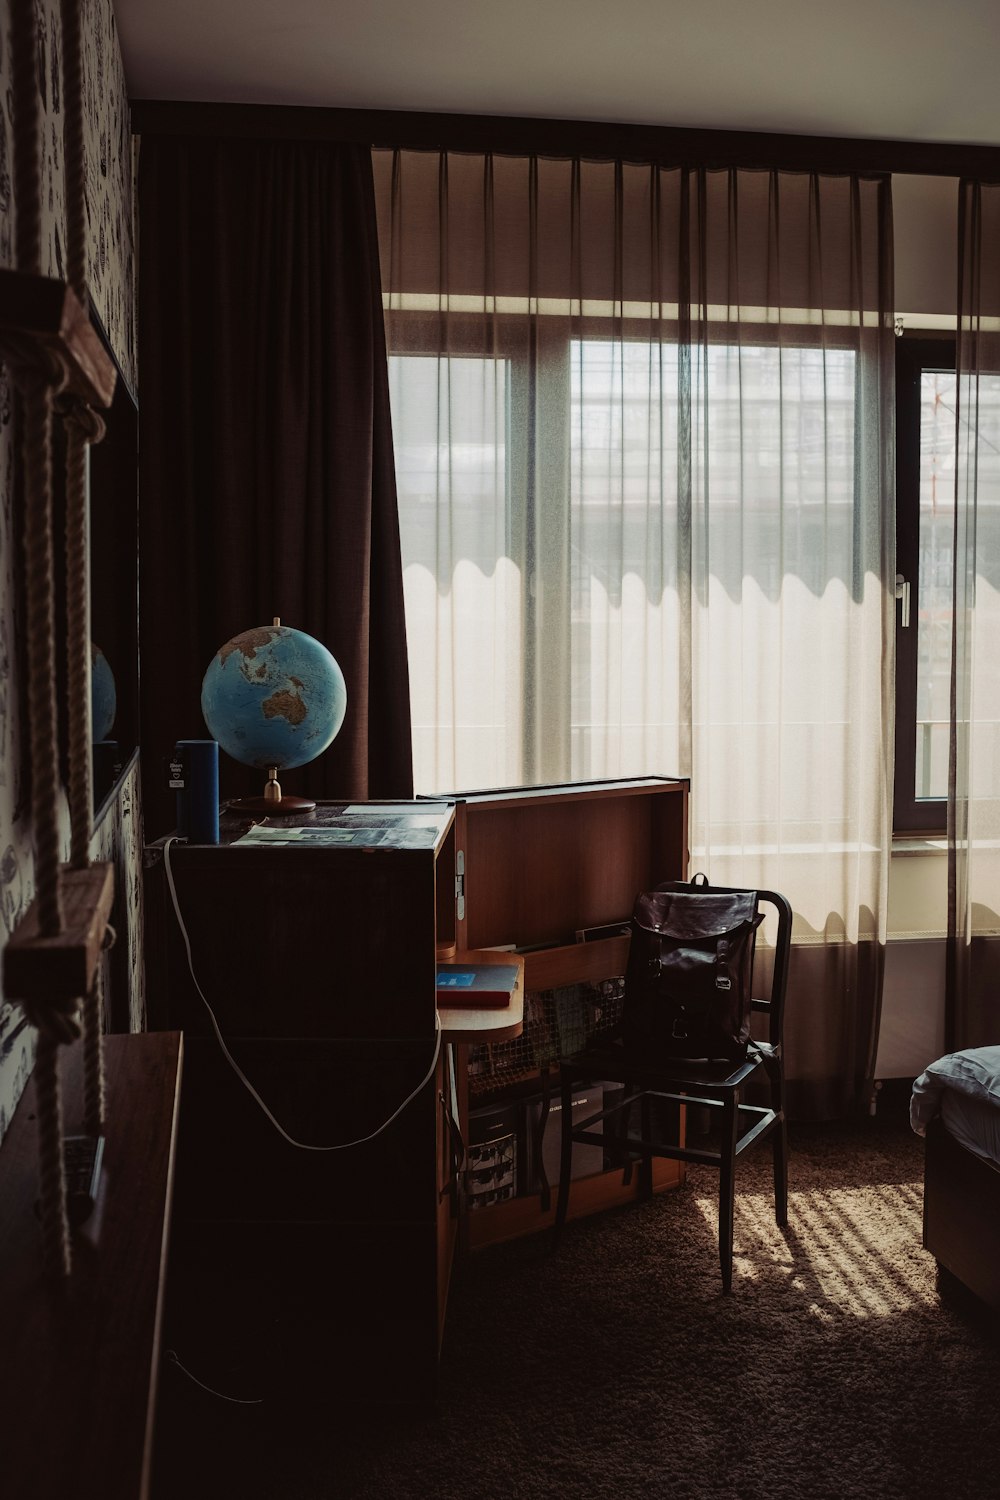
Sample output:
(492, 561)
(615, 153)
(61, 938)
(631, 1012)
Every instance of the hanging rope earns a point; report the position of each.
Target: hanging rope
(93, 1056)
(74, 155)
(40, 377)
(83, 426)
(27, 184)
(56, 1252)
(37, 383)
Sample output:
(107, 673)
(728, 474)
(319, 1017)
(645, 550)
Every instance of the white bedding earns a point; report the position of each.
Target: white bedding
(964, 1089)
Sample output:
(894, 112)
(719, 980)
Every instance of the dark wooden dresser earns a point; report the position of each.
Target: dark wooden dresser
(328, 1269)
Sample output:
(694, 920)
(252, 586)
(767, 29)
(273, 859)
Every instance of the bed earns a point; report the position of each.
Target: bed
(955, 1104)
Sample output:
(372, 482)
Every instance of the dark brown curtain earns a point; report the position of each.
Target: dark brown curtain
(267, 482)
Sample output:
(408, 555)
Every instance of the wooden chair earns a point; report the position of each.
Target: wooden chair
(649, 1081)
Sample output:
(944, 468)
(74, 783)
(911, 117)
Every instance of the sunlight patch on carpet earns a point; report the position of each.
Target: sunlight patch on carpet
(851, 1251)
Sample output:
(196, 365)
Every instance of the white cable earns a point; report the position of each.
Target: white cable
(236, 1400)
(301, 1145)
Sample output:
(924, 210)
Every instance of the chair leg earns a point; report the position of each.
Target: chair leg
(727, 1188)
(781, 1174)
(646, 1131)
(618, 1129)
(565, 1154)
(541, 1180)
(779, 1146)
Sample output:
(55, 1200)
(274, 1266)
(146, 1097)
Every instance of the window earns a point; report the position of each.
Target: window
(549, 555)
(773, 476)
(926, 386)
(461, 588)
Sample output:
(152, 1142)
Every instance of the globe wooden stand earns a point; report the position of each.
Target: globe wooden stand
(273, 801)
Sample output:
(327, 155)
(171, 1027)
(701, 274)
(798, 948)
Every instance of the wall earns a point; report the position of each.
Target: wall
(111, 261)
(925, 241)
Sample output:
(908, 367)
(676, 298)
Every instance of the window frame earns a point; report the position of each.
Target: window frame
(548, 727)
(912, 815)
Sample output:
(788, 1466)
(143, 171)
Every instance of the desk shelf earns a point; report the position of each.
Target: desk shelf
(537, 865)
(588, 1195)
(575, 963)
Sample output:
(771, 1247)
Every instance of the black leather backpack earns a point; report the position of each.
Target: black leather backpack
(687, 982)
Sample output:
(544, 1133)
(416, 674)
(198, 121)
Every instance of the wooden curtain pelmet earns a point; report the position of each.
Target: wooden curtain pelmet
(596, 140)
(52, 960)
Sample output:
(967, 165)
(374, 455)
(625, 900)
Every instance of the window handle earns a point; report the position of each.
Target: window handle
(903, 595)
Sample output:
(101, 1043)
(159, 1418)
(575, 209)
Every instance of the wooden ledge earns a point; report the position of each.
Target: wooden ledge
(63, 965)
(465, 1025)
(45, 313)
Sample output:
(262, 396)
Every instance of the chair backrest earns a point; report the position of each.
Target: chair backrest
(773, 1004)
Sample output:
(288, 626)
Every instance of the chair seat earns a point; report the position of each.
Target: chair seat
(613, 1059)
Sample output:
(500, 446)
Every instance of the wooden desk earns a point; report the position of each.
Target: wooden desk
(79, 1366)
(320, 964)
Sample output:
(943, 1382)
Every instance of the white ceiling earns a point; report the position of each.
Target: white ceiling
(923, 70)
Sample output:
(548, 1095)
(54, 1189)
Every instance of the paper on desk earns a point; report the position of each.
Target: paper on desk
(414, 833)
(406, 810)
(260, 835)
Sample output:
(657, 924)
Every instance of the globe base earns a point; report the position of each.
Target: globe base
(273, 805)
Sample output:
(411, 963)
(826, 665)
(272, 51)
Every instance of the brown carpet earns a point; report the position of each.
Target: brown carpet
(617, 1369)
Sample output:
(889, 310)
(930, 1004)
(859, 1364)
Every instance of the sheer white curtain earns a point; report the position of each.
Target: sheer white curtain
(973, 998)
(643, 431)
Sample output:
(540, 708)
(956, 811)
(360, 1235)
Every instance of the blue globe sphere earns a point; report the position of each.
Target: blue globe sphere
(103, 695)
(273, 697)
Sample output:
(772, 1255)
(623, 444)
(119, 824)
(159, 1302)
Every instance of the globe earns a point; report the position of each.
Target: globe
(273, 697)
(103, 697)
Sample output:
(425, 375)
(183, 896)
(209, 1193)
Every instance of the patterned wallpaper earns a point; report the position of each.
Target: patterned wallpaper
(111, 258)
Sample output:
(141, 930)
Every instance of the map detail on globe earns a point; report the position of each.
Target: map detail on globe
(274, 696)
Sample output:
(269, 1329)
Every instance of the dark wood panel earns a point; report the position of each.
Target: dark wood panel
(594, 139)
(78, 1373)
(576, 963)
(345, 1313)
(536, 873)
(39, 965)
(319, 962)
(317, 942)
(670, 832)
(46, 313)
(962, 1214)
(233, 1164)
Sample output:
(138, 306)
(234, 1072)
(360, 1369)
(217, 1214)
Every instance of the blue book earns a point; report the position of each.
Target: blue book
(476, 986)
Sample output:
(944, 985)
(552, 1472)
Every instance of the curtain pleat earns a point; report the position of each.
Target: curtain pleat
(267, 482)
(644, 427)
(972, 1008)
